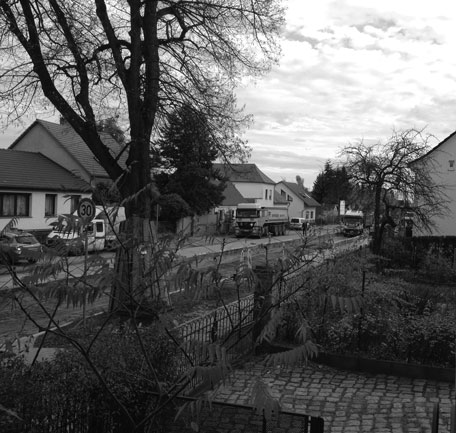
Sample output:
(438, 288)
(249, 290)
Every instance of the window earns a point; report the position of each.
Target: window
(307, 214)
(74, 202)
(50, 205)
(311, 214)
(451, 164)
(270, 194)
(289, 198)
(282, 193)
(14, 205)
(265, 194)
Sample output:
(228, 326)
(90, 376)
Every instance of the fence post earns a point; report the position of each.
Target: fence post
(317, 425)
(262, 299)
(435, 419)
(453, 419)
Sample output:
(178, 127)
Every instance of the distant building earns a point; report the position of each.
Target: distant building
(246, 183)
(301, 204)
(34, 190)
(444, 173)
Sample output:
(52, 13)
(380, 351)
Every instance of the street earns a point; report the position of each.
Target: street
(196, 247)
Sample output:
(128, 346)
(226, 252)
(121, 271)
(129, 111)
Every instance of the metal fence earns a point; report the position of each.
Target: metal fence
(228, 326)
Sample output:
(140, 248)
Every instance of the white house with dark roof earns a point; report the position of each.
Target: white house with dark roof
(253, 185)
(443, 163)
(61, 144)
(246, 183)
(34, 190)
(301, 204)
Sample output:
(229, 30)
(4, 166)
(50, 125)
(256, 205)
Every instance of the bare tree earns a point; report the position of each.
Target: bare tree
(397, 179)
(134, 60)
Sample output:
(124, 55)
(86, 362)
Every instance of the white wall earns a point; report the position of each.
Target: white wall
(256, 191)
(37, 220)
(444, 175)
(297, 207)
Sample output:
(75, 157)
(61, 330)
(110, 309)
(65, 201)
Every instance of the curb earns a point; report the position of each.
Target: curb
(392, 368)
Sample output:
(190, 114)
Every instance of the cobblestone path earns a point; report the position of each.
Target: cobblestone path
(349, 402)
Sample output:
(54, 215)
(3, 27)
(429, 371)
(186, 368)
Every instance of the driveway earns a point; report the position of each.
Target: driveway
(349, 402)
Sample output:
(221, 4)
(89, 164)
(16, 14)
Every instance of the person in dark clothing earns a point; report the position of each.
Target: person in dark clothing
(304, 228)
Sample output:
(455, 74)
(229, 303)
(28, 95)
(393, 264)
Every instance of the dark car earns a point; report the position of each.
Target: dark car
(19, 246)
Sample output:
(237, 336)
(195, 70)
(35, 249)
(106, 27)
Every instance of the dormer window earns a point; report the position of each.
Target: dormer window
(451, 164)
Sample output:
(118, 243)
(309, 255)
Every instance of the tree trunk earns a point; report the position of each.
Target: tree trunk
(377, 238)
(134, 289)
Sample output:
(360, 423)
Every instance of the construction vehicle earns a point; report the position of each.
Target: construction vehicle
(352, 223)
(253, 219)
(99, 234)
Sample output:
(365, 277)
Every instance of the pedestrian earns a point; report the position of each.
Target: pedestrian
(304, 228)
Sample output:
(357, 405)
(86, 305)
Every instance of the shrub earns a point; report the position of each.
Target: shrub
(69, 389)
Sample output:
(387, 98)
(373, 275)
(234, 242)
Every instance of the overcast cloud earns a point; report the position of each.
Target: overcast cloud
(350, 70)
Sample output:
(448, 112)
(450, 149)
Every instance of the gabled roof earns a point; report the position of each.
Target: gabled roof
(67, 137)
(232, 196)
(434, 148)
(243, 173)
(300, 192)
(34, 172)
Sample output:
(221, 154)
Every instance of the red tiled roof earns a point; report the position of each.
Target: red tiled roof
(33, 171)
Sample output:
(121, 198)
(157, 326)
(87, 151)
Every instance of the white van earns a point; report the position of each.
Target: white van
(296, 223)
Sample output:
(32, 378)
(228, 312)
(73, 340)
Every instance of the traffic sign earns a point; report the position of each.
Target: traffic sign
(86, 209)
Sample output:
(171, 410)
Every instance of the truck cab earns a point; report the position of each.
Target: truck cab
(353, 223)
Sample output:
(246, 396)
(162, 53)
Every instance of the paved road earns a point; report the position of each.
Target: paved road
(349, 402)
(197, 246)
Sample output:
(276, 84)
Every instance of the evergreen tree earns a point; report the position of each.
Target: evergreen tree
(187, 151)
(332, 185)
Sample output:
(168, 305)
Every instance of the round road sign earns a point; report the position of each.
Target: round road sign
(86, 209)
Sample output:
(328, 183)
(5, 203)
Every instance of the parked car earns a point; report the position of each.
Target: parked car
(17, 245)
(296, 223)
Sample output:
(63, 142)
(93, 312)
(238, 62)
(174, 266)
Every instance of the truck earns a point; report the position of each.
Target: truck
(254, 219)
(100, 233)
(352, 223)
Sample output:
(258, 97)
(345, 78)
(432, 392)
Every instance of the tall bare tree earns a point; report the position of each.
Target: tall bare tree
(135, 60)
(397, 179)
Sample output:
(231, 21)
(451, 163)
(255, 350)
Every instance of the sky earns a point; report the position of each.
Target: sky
(350, 70)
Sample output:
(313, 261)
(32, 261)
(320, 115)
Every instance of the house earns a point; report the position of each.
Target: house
(34, 190)
(301, 204)
(442, 159)
(61, 144)
(253, 185)
(246, 183)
